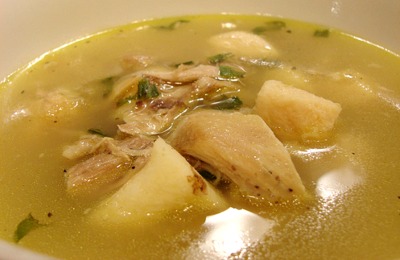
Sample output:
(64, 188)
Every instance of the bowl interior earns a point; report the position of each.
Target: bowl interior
(31, 28)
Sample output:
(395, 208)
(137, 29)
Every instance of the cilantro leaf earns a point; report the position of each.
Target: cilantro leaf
(126, 100)
(219, 58)
(227, 72)
(172, 26)
(95, 131)
(146, 90)
(270, 26)
(108, 85)
(190, 62)
(25, 226)
(322, 33)
(228, 103)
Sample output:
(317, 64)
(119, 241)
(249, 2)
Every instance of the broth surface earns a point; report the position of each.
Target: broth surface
(353, 177)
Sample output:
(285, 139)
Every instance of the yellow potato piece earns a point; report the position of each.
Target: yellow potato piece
(166, 183)
(294, 113)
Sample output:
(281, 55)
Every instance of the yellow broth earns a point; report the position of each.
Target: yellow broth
(353, 177)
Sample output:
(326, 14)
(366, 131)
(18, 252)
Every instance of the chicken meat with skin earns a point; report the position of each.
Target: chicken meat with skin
(106, 163)
(243, 148)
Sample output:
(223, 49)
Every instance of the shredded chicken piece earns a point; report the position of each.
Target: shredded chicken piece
(179, 91)
(106, 165)
(94, 144)
(61, 100)
(127, 86)
(136, 62)
(52, 104)
(157, 115)
(84, 146)
(206, 86)
(124, 87)
(243, 148)
(97, 175)
(185, 73)
(152, 123)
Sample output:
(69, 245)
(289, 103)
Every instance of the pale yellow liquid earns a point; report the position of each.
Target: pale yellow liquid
(354, 177)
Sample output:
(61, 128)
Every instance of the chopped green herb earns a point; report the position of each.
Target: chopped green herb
(172, 26)
(208, 175)
(275, 25)
(322, 33)
(228, 103)
(227, 72)
(146, 90)
(219, 58)
(95, 131)
(259, 30)
(126, 100)
(108, 84)
(184, 63)
(25, 226)
(269, 26)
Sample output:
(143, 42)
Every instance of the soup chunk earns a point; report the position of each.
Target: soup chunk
(166, 183)
(242, 147)
(295, 113)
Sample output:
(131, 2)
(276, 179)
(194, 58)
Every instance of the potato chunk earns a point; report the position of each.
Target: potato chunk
(242, 43)
(294, 113)
(243, 148)
(166, 183)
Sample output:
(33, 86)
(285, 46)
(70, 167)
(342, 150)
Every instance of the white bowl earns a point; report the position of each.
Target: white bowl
(31, 28)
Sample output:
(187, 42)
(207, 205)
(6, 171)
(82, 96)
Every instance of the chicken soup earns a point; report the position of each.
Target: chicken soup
(214, 136)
